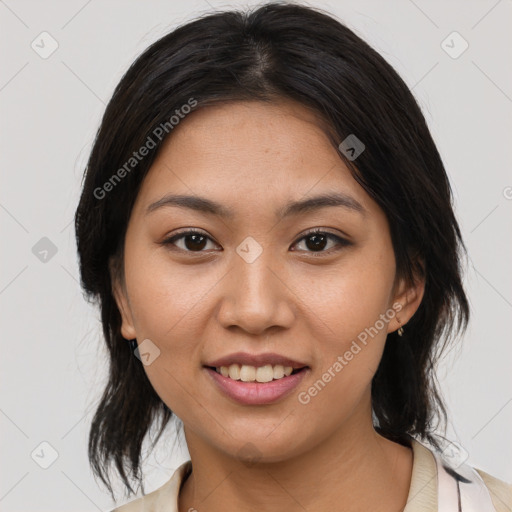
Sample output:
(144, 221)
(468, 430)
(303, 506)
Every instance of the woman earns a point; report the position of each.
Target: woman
(267, 226)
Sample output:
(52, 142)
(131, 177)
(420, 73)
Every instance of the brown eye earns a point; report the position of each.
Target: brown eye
(317, 241)
(191, 241)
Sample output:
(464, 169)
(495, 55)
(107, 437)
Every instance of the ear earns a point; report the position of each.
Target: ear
(123, 304)
(407, 298)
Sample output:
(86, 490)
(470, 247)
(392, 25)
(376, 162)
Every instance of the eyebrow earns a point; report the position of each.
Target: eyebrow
(208, 206)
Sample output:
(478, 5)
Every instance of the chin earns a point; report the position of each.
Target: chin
(253, 450)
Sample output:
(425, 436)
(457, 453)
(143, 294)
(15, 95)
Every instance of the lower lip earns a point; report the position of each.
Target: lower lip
(257, 393)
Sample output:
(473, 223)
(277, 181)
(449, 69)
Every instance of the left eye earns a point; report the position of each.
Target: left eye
(315, 241)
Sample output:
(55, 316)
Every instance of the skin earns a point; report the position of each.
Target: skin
(197, 306)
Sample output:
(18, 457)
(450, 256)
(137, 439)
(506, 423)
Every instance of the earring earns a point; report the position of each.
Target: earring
(400, 331)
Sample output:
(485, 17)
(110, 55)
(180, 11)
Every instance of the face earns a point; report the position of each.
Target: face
(254, 279)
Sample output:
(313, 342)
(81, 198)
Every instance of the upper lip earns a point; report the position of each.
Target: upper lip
(244, 358)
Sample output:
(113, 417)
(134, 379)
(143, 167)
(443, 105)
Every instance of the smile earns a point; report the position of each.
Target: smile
(252, 385)
(247, 373)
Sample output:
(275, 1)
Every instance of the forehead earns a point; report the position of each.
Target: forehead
(247, 151)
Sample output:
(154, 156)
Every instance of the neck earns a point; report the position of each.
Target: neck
(355, 466)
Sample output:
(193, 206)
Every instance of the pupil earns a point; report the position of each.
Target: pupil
(197, 243)
(317, 244)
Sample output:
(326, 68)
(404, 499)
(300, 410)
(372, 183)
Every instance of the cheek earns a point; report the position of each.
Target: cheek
(348, 314)
(169, 308)
(166, 297)
(350, 298)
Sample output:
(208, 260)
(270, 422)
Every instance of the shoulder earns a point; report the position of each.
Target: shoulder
(426, 478)
(500, 491)
(163, 499)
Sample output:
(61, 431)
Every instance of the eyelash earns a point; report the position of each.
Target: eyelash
(341, 242)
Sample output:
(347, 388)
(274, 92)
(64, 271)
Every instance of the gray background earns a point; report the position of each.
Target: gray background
(53, 364)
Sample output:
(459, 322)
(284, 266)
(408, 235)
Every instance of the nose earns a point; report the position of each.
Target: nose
(255, 296)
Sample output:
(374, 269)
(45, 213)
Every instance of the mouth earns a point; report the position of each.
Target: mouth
(249, 385)
(261, 374)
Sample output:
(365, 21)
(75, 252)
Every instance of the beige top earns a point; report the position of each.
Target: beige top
(422, 492)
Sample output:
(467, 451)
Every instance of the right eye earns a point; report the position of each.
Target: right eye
(193, 240)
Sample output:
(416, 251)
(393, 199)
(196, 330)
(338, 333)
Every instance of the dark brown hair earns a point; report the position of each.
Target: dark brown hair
(279, 50)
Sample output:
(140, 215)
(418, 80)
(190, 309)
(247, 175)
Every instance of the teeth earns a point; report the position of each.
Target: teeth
(234, 372)
(265, 373)
(279, 371)
(247, 373)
